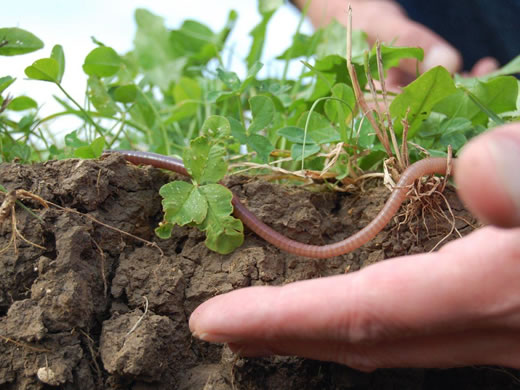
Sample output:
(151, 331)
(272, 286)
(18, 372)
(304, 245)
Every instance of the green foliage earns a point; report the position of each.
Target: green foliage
(224, 233)
(262, 109)
(93, 150)
(204, 162)
(14, 150)
(204, 203)
(59, 56)
(102, 62)
(216, 127)
(15, 41)
(512, 67)
(22, 103)
(45, 69)
(174, 94)
(416, 101)
(183, 203)
(267, 8)
(187, 95)
(392, 56)
(498, 95)
(100, 98)
(126, 93)
(5, 82)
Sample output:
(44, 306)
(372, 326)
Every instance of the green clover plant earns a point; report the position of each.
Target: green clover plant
(204, 203)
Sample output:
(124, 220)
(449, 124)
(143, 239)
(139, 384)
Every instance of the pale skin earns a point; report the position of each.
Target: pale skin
(458, 306)
(386, 21)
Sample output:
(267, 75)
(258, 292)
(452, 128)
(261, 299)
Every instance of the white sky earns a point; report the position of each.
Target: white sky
(71, 23)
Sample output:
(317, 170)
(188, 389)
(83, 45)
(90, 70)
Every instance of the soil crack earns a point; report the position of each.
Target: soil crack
(87, 292)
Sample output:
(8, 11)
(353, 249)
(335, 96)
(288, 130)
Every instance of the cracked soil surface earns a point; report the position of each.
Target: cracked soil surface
(71, 312)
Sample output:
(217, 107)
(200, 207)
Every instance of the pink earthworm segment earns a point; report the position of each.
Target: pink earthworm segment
(427, 166)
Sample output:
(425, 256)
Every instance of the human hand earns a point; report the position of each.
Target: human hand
(387, 21)
(457, 306)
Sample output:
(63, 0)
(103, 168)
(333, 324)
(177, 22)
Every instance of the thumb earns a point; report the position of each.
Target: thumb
(387, 21)
(488, 176)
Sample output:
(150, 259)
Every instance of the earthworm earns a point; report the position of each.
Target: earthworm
(427, 166)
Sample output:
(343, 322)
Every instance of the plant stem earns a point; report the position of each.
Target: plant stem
(401, 158)
(44, 139)
(303, 14)
(488, 111)
(357, 88)
(98, 128)
(94, 114)
(164, 133)
(240, 111)
(191, 129)
(305, 130)
(116, 136)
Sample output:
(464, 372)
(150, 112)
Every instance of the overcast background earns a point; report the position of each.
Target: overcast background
(71, 23)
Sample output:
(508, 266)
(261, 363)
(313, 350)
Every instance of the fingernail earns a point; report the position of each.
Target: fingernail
(505, 152)
(202, 336)
(212, 337)
(441, 55)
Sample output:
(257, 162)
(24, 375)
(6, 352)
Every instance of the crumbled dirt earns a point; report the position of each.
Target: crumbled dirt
(72, 314)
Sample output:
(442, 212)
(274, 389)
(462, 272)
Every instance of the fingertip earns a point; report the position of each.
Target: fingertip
(484, 66)
(192, 322)
(396, 26)
(206, 320)
(437, 51)
(234, 316)
(488, 176)
(444, 55)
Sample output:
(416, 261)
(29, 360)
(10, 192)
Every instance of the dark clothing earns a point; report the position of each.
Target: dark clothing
(477, 28)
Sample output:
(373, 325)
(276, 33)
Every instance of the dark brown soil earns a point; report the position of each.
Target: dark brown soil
(71, 314)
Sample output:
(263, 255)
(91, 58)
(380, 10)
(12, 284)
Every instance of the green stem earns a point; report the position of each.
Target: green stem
(191, 129)
(488, 111)
(164, 133)
(282, 146)
(313, 107)
(98, 128)
(298, 28)
(43, 139)
(7, 133)
(297, 85)
(318, 73)
(34, 149)
(240, 111)
(119, 131)
(91, 113)
(178, 130)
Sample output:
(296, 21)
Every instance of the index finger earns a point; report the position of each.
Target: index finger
(463, 284)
